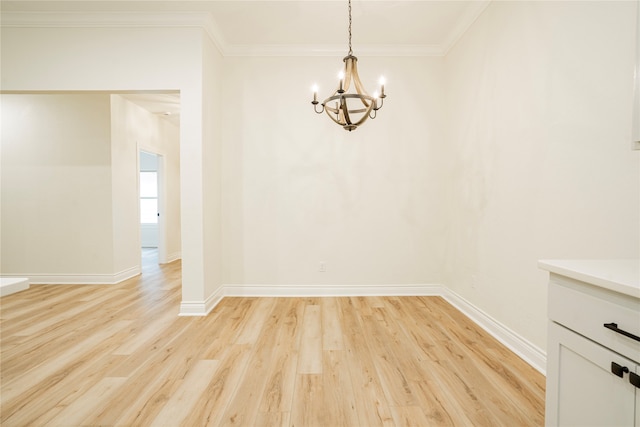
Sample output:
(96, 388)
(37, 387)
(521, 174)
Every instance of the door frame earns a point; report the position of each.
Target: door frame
(162, 247)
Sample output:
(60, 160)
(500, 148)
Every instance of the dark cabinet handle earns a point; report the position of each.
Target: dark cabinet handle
(618, 370)
(614, 327)
(634, 379)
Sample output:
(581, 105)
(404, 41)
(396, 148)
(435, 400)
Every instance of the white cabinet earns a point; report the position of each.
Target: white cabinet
(586, 392)
(593, 355)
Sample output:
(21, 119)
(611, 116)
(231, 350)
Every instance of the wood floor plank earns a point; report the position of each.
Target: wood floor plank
(371, 403)
(331, 329)
(244, 405)
(39, 392)
(186, 396)
(47, 372)
(394, 380)
(409, 416)
(255, 322)
(273, 419)
(119, 355)
(81, 407)
(151, 386)
(310, 358)
(235, 311)
(208, 411)
(147, 333)
(307, 409)
(27, 310)
(339, 397)
(279, 389)
(438, 406)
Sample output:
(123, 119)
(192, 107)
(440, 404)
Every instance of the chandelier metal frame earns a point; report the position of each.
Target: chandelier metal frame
(341, 112)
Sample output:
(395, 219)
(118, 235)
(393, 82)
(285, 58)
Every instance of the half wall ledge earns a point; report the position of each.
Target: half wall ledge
(11, 285)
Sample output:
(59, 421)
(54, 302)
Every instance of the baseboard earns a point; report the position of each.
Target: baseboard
(330, 290)
(530, 353)
(81, 279)
(201, 308)
(127, 274)
(173, 257)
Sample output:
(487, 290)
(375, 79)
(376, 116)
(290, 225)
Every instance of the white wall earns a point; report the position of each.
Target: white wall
(114, 58)
(635, 137)
(300, 190)
(135, 128)
(211, 164)
(539, 100)
(172, 197)
(70, 171)
(56, 187)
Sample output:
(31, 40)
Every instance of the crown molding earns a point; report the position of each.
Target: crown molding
(205, 21)
(332, 50)
(103, 19)
(464, 23)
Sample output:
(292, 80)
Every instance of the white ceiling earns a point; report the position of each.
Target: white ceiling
(163, 105)
(299, 27)
(268, 27)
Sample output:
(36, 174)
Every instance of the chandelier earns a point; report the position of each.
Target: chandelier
(350, 110)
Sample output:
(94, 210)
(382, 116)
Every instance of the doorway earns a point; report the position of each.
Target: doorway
(151, 215)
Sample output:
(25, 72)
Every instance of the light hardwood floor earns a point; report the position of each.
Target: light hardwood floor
(120, 355)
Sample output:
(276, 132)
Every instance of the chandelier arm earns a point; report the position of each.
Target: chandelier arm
(365, 117)
(347, 95)
(345, 111)
(334, 114)
(348, 74)
(359, 86)
(362, 97)
(331, 112)
(359, 111)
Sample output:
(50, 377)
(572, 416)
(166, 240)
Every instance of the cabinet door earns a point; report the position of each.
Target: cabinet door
(581, 388)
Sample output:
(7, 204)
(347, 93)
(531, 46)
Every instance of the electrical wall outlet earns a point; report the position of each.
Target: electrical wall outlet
(323, 267)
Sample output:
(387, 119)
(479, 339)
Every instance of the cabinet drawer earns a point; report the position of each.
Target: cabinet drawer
(585, 309)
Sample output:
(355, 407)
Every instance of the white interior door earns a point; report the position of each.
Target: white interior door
(150, 193)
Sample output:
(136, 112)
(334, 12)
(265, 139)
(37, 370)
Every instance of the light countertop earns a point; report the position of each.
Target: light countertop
(618, 275)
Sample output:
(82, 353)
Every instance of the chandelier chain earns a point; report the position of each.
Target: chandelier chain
(350, 49)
